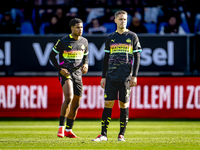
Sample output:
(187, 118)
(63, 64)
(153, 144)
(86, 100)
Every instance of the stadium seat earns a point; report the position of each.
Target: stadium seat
(185, 27)
(42, 27)
(151, 27)
(27, 28)
(111, 27)
(162, 24)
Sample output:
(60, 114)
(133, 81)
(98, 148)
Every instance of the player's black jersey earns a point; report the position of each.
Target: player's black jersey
(71, 52)
(121, 48)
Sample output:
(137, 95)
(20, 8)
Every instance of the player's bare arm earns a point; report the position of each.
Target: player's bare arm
(103, 82)
(84, 68)
(133, 81)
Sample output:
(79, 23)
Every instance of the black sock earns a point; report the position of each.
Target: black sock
(123, 120)
(62, 121)
(106, 117)
(70, 123)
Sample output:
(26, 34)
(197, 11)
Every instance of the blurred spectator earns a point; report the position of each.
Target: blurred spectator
(62, 20)
(8, 25)
(108, 17)
(73, 13)
(96, 27)
(43, 15)
(26, 25)
(151, 14)
(118, 2)
(172, 27)
(17, 15)
(53, 27)
(132, 12)
(136, 26)
(94, 13)
(41, 18)
(38, 2)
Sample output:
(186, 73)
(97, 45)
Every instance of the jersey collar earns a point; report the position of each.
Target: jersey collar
(71, 36)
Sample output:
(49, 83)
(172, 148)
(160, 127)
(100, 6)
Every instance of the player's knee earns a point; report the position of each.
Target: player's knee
(67, 101)
(124, 105)
(75, 106)
(109, 104)
(75, 103)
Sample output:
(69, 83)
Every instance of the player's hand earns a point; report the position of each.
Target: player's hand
(103, 83)
(133, 81)
(64, 72)
(84, 68)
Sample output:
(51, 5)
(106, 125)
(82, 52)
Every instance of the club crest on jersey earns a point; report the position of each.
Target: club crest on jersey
(128, 40)
(83, 47)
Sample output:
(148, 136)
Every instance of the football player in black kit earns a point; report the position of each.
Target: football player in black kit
(73, 59)
(119, 73)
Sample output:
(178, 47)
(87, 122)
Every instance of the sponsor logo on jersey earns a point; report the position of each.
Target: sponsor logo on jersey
(75, 54)
(121, 48)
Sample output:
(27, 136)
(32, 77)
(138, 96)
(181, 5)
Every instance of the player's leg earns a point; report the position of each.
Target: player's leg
(110, 96)
(72, 116)
(67, 86)
(68, 95)
(124, 96)
(106, 116)
(78, 87)
(74, 107)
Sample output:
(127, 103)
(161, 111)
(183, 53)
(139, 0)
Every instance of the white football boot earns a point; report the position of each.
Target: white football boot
(121, 138)
(100, 138)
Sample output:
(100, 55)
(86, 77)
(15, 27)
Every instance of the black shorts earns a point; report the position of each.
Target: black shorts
(76, 78)
(113, 87)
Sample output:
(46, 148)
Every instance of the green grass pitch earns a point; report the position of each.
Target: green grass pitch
(140, 134)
